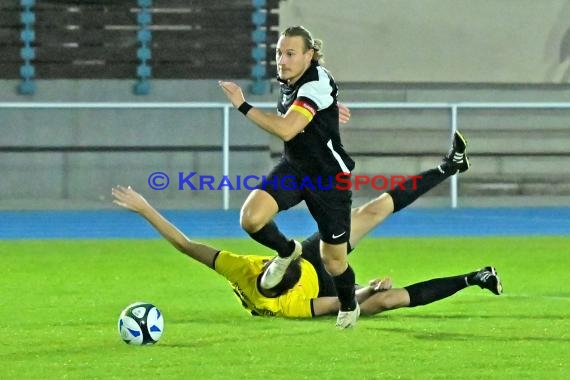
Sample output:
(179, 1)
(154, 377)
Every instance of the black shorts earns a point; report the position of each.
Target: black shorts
(329, 206)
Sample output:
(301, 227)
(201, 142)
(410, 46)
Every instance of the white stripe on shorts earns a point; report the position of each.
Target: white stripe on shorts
(338, 158)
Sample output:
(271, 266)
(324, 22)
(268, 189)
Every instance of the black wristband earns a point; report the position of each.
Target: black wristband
(244, 108)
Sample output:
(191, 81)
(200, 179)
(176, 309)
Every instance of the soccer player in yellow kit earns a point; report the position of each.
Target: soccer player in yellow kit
(292, 297)
(306, 289)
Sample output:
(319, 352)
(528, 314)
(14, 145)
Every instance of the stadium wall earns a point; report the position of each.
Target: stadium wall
(405, 51)
(516, 153)
(485, 41)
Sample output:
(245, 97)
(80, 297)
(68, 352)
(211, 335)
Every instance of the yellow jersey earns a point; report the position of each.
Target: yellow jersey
(242, 272)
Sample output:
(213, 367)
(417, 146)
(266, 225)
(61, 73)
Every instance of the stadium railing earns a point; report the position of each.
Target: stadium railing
(453, 108)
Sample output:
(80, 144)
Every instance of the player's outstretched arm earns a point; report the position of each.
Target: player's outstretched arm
(286, 127)
(379, 296)
(331, 305)
(128, 198)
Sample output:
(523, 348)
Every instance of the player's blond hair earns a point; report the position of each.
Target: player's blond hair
(310, 42)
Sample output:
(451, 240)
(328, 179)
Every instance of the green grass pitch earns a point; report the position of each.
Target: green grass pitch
(60, 301)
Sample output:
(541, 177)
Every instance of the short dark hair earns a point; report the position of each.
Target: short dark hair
(290, 279)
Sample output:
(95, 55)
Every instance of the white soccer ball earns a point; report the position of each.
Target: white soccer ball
(141, 323)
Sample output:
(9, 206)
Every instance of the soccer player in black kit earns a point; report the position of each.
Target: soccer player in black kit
(308, 123)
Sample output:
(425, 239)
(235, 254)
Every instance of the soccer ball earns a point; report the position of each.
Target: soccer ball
(141, 323)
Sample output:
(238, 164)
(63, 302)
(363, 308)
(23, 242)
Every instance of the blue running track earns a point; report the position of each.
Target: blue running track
(297, 223)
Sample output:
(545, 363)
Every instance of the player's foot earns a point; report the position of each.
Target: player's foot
(488, 278)
(276, 270)
(456, 161)
(347, 319)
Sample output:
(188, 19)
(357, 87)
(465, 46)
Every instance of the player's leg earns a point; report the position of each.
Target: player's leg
(424, 293)
(334, 257)
(368, 216)
(385, 300)
(331, 211)
(265, 206)
(257, 212)
(256, 218)
(456, 161)
(277, 192)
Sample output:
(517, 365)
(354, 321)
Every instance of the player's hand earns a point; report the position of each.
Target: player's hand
(343, 113)
(233, 92)
(378, 285)
(128, 198)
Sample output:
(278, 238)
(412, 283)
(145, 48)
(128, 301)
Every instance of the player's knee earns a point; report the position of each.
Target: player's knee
(251, 221)
(334, 265)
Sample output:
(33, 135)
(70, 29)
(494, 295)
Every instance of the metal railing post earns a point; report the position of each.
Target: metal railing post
(453, 182)
(226, 156)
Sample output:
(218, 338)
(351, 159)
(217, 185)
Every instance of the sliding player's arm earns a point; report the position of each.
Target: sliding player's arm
(128, 198)
(331, 305)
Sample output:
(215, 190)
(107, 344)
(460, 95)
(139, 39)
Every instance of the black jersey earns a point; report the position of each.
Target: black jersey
(317, 150)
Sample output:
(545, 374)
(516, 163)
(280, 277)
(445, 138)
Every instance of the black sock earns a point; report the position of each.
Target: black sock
(437, 289)
(469, 278)
(412, 191)
(344, 284)
(270, 236)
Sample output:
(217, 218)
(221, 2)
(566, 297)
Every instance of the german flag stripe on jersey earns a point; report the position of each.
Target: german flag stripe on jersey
(305, 106)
